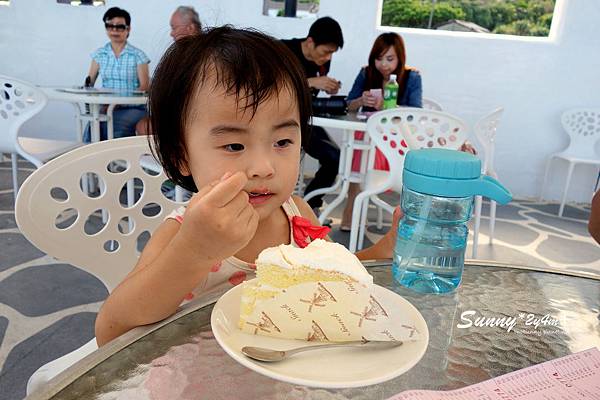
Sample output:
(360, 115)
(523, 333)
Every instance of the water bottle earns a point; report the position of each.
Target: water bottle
(390, 93)
(437, 200)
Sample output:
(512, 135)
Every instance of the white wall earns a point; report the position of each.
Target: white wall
(535, 79)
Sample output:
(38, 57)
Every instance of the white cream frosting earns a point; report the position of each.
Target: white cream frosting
(319, 254)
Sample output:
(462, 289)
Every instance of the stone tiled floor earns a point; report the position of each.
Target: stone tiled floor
(48, 308)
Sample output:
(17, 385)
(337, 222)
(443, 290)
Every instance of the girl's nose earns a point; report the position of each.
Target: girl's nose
(261, 167)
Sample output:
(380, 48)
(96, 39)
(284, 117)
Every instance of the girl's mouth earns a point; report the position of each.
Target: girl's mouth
(259, 197)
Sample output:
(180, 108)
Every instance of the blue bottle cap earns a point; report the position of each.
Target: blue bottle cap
(450, 173)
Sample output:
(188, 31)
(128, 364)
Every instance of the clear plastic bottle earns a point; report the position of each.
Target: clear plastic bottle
(390, 93)
(437, 200)
(431, 241)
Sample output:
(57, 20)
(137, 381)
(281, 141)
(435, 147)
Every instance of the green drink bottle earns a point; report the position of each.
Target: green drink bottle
(390, 93)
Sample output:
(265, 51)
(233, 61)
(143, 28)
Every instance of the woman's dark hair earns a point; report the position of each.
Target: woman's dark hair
(381, 45)
(115, 12)
(247, 63)
(326, 30)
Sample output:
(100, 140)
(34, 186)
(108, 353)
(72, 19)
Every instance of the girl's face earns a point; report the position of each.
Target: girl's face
(387, 63)
(221, 137)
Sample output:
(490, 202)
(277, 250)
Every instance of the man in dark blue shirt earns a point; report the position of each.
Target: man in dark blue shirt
(314, 53)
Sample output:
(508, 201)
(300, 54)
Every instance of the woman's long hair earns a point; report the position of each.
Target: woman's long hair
(381, 45)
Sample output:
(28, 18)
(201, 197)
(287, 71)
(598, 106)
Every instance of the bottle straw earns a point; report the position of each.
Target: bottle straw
(419, 227)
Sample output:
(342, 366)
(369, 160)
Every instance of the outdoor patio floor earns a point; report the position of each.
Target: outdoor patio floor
(48, 308)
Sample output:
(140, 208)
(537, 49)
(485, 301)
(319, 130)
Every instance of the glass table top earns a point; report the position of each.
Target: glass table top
(554, 315)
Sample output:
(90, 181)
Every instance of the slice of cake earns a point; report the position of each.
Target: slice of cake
(319, 293)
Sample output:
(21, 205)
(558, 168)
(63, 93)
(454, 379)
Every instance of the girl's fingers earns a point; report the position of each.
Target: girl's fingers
(202, 192)
(226, 190)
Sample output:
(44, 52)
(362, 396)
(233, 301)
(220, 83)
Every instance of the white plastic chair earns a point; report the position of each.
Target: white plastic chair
(19, 102)
(54, 213)
(583, 127)
(394, 132)
(485, 131)
(430, 104)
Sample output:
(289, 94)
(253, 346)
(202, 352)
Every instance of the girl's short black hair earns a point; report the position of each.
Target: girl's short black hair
(115, 12)
(247, 63)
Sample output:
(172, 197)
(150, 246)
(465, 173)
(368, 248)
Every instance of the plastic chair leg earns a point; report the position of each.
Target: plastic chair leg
(379, 217)
(15, 174)
(478, 201)
(354, 228)
(492, 220)
(564, 196)
(545, 177)
(363, 222)
(179, 194)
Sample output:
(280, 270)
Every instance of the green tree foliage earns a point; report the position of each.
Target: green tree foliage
(514, 17)
(415, 13)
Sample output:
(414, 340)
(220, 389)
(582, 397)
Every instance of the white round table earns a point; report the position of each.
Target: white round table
(96, 98)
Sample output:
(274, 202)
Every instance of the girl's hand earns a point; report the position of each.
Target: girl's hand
(368, 100)
(219, 220)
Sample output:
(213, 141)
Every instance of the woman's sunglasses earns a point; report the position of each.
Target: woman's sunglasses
(118, 27)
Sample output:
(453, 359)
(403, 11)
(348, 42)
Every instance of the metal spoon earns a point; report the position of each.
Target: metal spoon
(270, 355)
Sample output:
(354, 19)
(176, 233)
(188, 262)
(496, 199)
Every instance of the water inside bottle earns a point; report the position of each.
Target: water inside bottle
(436, 258)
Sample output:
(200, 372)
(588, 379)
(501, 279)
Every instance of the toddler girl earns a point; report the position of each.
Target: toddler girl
(230, 109)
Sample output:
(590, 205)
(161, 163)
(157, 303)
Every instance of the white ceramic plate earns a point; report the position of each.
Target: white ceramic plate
(342, 367)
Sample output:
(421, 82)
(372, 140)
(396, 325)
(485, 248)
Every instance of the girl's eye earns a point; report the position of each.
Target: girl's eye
(234, 147)
(283, 143)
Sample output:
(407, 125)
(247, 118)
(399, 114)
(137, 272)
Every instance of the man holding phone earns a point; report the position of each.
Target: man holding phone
(314, 53)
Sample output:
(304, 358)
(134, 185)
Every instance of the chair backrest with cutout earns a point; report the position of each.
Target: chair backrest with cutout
(583, 127)
(430, 104)
(19, 101)
(102, 229)
(398, 130)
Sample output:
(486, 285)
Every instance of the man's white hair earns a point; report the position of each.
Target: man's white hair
(190, 15)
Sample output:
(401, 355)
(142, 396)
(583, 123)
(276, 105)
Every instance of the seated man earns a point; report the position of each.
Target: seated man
(184, 22)
(314, 53)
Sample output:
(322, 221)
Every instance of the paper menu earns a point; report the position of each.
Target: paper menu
(576, 376)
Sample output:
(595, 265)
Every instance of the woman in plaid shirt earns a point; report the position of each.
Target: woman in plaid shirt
(122, 67)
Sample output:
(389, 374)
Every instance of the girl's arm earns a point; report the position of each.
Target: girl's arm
(218, 222)
(143, 76)
(164, 274)
(354, 98)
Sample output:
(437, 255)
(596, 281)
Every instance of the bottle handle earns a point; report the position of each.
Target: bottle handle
(494, 190)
